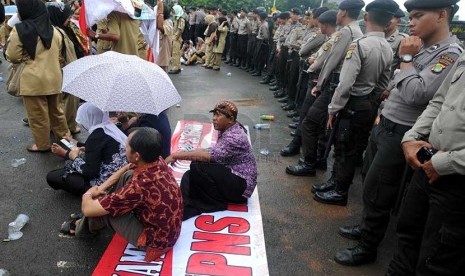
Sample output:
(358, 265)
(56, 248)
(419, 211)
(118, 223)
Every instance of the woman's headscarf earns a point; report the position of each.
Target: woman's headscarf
(35, 23)
(177, 11)
(91, 118)
(209, 19)
(59, 14)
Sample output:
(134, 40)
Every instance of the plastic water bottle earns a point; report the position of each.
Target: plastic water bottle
(18, 162)
(228, 74)
(14, 228)
(261, 126)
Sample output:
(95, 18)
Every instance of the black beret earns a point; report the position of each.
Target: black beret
(319, 11)
(244, 10)
(234, 12)
(385, 6)
(328, 17)
(296, 11)
(429, 4)
(399, 13)
(224, 12)
(263, 15)
(261, 9)
(255, 11)
(351, 5)
(284, 15)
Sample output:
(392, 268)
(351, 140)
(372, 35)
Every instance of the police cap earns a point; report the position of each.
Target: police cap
(284, 15)
(328, 17)
(296, 11)
(385, 6)
(399, 13)
(429, 4)
(319, 11)
(263, 15)
(351, 5)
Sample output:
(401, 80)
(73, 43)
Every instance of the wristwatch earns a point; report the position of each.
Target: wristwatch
(406, 58)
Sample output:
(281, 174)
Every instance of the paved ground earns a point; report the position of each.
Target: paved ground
(301, 234)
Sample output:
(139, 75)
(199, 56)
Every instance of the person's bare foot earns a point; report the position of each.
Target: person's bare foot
(58, 150)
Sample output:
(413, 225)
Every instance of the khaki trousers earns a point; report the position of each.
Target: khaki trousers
(208, 55)
(70, 107)
(217, 60)
(176, 55)
(45, 112)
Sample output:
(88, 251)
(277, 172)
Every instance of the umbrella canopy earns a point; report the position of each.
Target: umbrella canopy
(118, 82)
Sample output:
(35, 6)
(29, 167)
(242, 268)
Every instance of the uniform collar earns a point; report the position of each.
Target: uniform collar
(433, 48)
(396, 33)
(378, 34)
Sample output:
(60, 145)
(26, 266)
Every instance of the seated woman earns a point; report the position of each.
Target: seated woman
(187, 51)
(146, 208)
(104, 153)
(225, 173)
(199, 54)
(160, 123)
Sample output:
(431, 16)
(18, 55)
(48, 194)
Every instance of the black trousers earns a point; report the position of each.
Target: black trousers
(242, 48)
(209, 187)
(251, 49)
(72, 183)
(233, 46)
(261, 55)
(281, 66)
(353, 127)
(292, 76)
(302, 85)
(227, 45)
(431, 228)
(386, 163)
(192, 36)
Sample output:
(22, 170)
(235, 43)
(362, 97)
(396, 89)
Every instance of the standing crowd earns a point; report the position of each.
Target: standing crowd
(386, 101)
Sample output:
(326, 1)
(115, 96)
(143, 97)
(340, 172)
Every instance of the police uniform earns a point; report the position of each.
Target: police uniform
(414, 88)
(263, 47)
(233, 41)
(179, 25)
(242, 39)
(315, 119)
(252, 43)
(431, 226)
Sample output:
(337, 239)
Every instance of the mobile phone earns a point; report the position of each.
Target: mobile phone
(67, 145)
(425, 154)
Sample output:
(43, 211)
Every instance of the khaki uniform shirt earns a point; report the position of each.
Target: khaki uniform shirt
(367, 66)
(103, 45)
(314, 39)
(41, 76)
(335, 59)
(179, 26)
(244, 26)
(234, 26)
(264, 32)
(295, 33)
(199, 17)
(416, 86)
(127, 29)
(444, 122)
(394, 40)
(322, 54)
(254, 26)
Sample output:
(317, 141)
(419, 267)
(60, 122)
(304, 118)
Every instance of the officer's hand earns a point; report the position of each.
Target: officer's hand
(411, 149)
(384, 95)
(410, 46)
(430, 171)
(311, 60)
(329, 124)
(315, 91)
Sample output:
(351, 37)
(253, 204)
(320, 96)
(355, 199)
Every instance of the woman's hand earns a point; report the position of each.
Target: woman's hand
(74, 153)
(95, 192)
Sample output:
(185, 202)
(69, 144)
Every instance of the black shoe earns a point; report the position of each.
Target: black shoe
(279, 94)
(332, 197)
(296, 119)
(291, 114)
(257, 74)
(174, 71)
(265, 81)
(305, 169)
(321, 164)
(274, 88)
(293, 125)
(357, 255)
(290, 150)
(243, 67)
(228, 61)
(283, 100)
(248, 69)
(223, 58)
(325, 186)
(25, 121)
(293, 133)
(273, 83)
(289, 107)
(351, 232)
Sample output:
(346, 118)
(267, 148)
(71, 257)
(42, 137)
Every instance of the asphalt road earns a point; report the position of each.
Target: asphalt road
(301, 234)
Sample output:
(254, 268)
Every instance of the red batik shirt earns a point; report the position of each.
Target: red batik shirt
(155, 198)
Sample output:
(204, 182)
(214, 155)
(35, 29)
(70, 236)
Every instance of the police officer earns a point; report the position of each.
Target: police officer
(426, 58)
(242, 38)
(252, 40)
(263, 47)
(278, 38)
(233, 39)
(315, 119)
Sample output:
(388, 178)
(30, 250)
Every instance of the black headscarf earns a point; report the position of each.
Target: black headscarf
(35, 23)
(59, 13)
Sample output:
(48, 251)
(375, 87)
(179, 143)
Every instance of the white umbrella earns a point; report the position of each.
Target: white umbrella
(118, 82)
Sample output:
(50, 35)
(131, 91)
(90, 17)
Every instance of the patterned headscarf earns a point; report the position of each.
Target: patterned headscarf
(226, 108)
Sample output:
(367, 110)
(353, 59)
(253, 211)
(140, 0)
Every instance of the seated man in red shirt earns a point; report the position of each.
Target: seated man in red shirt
(146, 208)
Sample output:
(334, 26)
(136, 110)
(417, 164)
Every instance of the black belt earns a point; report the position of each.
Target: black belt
(360, 98)
(391, 126)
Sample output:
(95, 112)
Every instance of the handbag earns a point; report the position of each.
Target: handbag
(15, 71)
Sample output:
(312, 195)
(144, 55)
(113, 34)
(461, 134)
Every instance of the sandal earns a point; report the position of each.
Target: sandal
(34, 148)
(69, 227)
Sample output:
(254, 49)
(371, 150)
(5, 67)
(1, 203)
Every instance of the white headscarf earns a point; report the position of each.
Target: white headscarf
(91, 118)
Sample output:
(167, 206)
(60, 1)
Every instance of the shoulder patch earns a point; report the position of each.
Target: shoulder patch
(438, 68)
(327, 46)
(446, 60)
(338, 36)
(351, 51)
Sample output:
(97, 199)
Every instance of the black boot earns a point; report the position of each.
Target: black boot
(351, 232)
(325, 186)
(283, 101)
(274, 88)
(357, 255)
(257, 74)
(266, 80)
(279, 94)
(292, 113)
(291, 149)
(332, 197)
(304, 169)
(293, 125)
